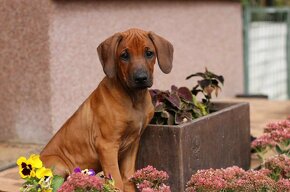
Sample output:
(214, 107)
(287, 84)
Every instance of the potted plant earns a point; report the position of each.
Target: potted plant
(188, 135)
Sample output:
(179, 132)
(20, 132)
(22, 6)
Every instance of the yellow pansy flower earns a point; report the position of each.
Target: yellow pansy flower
(35, 161)
(27, 166)
(45, 183)
(43, 172)
(47, 190)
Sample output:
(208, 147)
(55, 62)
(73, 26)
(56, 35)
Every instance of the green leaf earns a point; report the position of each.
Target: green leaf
(286, 142)
(259, 149)
(56, 183)
(200, 106)
(278, 149)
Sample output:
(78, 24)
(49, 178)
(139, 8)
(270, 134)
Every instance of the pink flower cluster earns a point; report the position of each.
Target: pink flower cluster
(234, 179)
(274, 133)
(283, 185)
(161, 188)
(279, 165)
(149, 179)
(81, 181)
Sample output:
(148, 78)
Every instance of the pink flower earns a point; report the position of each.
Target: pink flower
(231, 179)
(151, 174)
(274, 133)
(279, 165)
(164, 188)
(283, 185)
(145, 184)
(263, 141)
(147, 189)
(279, 125)
(82, 181)
(150, 179)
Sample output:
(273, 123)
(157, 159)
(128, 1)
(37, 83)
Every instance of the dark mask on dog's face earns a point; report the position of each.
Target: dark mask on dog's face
(130, 56)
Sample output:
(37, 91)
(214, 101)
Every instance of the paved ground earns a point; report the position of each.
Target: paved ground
(261, 112)
(9, 152)
(9, 180)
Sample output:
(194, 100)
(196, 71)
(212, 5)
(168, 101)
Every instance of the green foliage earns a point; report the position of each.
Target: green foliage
(57, 181)
(30, 185)
(262, 3)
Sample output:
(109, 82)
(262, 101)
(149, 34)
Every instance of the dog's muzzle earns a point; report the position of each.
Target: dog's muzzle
(141, 79)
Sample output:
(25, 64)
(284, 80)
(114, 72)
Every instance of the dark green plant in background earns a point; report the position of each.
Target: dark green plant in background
(266, 3)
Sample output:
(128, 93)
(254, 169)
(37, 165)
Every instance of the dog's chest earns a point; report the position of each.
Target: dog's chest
(136, 122)
(133, 129)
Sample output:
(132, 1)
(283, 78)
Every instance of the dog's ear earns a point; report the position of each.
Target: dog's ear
(164, 51)
(107, 54)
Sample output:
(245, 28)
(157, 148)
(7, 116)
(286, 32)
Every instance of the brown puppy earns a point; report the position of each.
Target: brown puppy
(104, 133)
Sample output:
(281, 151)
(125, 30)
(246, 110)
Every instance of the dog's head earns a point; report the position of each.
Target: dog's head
(130, 56)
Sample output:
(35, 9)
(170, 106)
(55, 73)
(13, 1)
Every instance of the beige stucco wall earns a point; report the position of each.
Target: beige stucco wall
(66, 67)
(25, 112)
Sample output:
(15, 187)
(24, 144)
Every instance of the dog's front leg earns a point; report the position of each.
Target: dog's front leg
(127, 166)
(108, 155)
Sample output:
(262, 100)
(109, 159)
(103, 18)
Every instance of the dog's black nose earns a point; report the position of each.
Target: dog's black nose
(140, 77)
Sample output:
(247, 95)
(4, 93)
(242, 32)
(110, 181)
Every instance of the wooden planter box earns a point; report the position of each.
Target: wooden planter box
(218, 140)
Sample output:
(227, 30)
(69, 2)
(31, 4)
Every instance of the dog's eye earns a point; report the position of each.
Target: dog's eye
(125, 56)
(149, 54)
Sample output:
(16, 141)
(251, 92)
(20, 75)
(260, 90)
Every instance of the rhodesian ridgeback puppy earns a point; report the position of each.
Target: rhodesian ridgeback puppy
(104, 133)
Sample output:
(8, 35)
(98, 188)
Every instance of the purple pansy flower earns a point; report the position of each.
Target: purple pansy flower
(89, 172)
(77, 170)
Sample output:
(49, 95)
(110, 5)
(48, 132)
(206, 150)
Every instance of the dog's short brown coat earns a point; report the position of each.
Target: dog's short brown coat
(104, 133)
